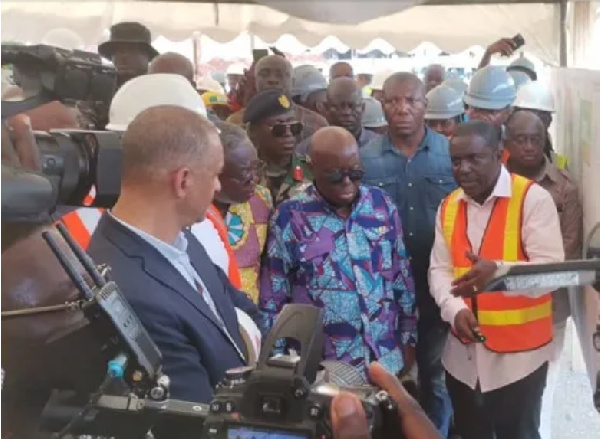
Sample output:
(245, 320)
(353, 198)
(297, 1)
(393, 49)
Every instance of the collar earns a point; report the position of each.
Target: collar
(550, 171)
(175, 250)
(365, 136)
(502, 189)
(314, 192)
(388, 144)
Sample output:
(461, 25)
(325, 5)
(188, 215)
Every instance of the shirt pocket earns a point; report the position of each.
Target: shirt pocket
(436, 187)
(387, 184)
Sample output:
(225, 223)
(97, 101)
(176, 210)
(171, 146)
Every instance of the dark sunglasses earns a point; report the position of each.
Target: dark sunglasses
(280, 129)
(338, 176)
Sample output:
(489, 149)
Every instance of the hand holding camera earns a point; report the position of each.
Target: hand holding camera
(349, 420)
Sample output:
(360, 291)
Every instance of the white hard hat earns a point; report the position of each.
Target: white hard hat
(535, 96)
(143, 92)
(520, 78)
(379, 79)
(250, 334)
(522, 64)
(63, 38)
(307, 79)
(236, 69)
(373, 116)
(457, 84)
(491, 88)
(444, 102)
(209, 84)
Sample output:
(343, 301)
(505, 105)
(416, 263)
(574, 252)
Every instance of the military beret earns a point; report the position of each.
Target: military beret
(266, 104)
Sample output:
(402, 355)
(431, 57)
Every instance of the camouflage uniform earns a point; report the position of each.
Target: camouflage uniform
(91, 115)
(285, 183)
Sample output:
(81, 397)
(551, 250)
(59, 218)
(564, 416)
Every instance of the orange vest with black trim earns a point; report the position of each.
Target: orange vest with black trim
(509, 323)
(82, 222)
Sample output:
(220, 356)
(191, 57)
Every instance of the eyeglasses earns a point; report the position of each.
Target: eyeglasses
(248, 175)
(280, 129)
(338, 176)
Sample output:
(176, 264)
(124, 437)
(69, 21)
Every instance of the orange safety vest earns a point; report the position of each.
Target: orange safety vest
(82, 222)
(215, 217)
(509, 323)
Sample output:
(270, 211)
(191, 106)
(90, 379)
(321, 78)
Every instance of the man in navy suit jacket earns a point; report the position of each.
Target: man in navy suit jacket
(171, 160)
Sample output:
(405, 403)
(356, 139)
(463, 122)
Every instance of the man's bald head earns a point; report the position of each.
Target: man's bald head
(173, 63)
(343, 86)
(273, 72)
(163, 138)
(344, 106)
(404, 78)
(404, 105)
(341, 69)
(522, 119)
(335, 165)
(435, 74)
(331, 142)
(525, 140)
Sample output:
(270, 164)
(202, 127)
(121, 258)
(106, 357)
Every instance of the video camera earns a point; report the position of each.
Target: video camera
(73, 161)
(284, 395)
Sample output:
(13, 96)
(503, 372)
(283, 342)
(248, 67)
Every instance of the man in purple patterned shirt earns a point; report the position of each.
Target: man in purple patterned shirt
(338, 245)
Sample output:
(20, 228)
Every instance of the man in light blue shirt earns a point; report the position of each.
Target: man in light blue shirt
(171, 161)
(412, 164)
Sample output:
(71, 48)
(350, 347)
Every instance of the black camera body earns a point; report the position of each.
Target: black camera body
(249, 405)
(286, 396)
(64, 75)
(283, 397)
(73, 161)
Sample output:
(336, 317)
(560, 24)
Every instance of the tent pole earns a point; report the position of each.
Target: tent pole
(196, 41)
(563, 33)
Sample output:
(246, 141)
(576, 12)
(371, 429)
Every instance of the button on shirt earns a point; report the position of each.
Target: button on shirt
(177, 256)
(417, 185)
(542, 243)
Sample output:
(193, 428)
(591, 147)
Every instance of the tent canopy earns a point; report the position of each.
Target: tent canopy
(403, 23)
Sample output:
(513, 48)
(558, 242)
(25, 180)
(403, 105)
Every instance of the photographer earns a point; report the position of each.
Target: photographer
(348, 419)
(38, 349)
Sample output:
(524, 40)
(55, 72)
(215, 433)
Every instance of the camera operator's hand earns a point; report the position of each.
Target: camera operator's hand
(349, 421)
(53, 115)
(18, 144)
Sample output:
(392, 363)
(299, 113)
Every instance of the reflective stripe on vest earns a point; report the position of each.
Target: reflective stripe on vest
(82, 222)
(233, 271)
(509, 323)
(561, 161)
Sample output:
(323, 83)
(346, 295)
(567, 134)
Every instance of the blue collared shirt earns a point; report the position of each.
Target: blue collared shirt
(178, 257)
(366, 137)
(417, 185)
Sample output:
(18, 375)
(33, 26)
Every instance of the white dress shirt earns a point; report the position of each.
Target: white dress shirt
(176, 254)
(206, 233)
(542, 242)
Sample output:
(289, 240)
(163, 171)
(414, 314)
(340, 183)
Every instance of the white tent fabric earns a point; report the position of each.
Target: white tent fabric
(451, 28)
